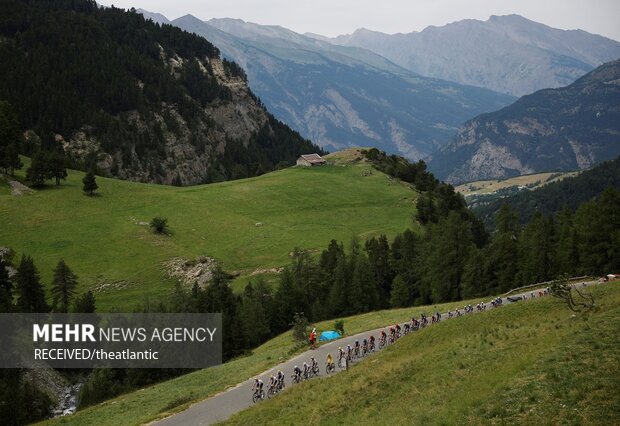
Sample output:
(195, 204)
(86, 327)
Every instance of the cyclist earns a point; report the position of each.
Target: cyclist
(306, 370)
(371, 343)
(297, 374)
(329, 360)
(329, 363)
(280, 378)
(382, 339)
(349, 353)
(258, 386)
(273, 384)
(392, 335)
(397, 331)
(314, 366)
(364, 346)
(357, 349)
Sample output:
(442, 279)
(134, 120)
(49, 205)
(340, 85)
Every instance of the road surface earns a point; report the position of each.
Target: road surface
(223, 405)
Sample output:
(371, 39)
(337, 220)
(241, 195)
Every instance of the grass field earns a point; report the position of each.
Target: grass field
(483, 187)
(172, 396)
(104, 239)
(526, 363)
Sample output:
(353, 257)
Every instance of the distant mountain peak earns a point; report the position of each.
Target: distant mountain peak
(155, 17)
(506, 53)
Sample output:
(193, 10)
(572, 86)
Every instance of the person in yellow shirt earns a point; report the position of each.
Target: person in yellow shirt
(329, 363)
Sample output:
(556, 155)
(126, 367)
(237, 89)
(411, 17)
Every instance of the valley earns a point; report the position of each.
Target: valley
(485, 187)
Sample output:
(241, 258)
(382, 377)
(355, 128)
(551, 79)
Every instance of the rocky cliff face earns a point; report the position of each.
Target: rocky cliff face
(508, 54)
(555, 129)
(189, 149)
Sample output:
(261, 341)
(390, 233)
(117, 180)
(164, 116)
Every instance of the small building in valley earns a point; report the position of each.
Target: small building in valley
(310, 160)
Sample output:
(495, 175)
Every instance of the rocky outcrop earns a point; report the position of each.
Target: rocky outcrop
(551, 130)
(183, 160)
(189, 272)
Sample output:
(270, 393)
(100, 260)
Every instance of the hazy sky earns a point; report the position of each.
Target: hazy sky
(334, 17)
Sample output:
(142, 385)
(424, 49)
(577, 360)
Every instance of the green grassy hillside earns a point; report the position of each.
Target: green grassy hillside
(485, 368)
(103, 240)
(527, 363)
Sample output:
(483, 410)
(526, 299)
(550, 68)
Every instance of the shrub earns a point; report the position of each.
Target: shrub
(159, 225)
(339, 326)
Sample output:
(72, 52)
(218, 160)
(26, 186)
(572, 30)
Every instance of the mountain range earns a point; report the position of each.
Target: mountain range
(340, 96)
(566, 128)
(508, 54)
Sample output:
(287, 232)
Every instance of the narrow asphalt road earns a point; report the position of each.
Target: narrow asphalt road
(223, 405)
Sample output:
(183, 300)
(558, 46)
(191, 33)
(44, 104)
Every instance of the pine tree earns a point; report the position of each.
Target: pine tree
(287, 296)
(598, 228)
(503, 251)
(378, 251)
(90, 184)
(363, 292)
(400, 296)
(10, 132)
(218, 297)
(446, 252)
(57, 164)
(11, 155)
(478, 274)
(253, 316)
(63, 286)
(38, 172)
(30, 293)
(537, 251)
(85, 304)
(338, 300)
(567, 252)
(405, 262)
(6, 288)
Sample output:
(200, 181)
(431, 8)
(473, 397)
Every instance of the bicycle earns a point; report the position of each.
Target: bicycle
(272, 391)
(382, 343)
(330, 368)
(258, 395)
(314, 370)
(296, 378)
(342, 362)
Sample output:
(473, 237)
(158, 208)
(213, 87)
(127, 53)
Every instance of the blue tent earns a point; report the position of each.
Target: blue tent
(329, 335)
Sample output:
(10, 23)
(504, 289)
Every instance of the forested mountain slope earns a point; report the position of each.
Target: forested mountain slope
(140, 101)
(554, 197)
